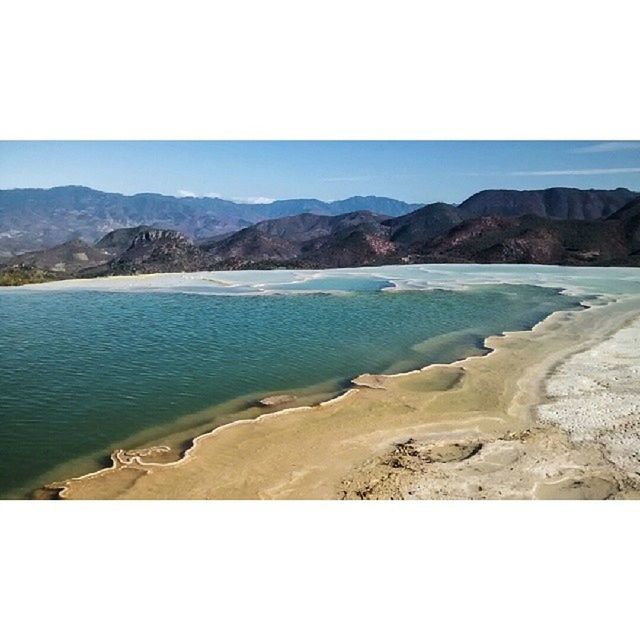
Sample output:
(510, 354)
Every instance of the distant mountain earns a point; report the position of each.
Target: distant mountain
(251, 245)
(559, 203)
(309, 226)
(42, 218)
(298, 228)
(444, 233)
(280, 208)
(384, 206)
(434, 233)
(532, 239)
(420, 226)
(69, 257)
(120, 240)
(366, 243)
(629, 218)
(305, 237)
(158, 250)
(32, 219)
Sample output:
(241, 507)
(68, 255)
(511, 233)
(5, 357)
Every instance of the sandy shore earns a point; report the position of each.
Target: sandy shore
(504, 425)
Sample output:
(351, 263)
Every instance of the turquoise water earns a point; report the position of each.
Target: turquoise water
(81, 370)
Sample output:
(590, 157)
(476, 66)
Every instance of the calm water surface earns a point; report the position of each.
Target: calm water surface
(83, 370)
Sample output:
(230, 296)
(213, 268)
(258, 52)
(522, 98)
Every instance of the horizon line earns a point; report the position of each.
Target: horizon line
(242, 202)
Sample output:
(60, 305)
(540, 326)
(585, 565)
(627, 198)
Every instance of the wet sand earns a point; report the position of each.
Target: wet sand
(476, 428)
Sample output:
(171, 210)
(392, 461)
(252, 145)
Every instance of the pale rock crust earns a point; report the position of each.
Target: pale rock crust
(595, 397)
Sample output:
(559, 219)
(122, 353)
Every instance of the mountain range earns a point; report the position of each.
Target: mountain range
(552, 226)
(33, 219)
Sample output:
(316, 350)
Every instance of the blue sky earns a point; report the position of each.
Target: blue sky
(264, 170)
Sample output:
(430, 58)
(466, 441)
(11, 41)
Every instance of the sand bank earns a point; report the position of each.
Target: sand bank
(471, 429)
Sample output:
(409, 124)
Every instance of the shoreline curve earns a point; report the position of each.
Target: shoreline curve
(134, 461)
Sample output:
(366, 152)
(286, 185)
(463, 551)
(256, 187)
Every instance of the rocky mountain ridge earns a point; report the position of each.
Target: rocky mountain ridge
(435, 233)
(32, 219)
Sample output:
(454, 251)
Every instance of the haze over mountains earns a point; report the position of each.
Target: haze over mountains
(41, 218)
(551, 226)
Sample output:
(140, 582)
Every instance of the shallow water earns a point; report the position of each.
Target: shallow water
(81, 370)
(87, 365)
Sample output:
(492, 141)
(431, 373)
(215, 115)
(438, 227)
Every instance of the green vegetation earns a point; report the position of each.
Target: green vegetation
(24, 274)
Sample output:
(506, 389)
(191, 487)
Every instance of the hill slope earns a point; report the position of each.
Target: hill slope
(560, 203)
(531, 239)
(304, 239)
(68, 257)
(416, 228)
(629, 218)
(41, 218)
(435, 233)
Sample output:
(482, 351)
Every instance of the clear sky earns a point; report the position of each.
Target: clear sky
(264, 170)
